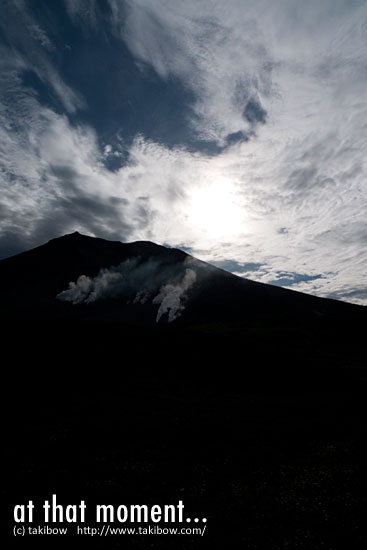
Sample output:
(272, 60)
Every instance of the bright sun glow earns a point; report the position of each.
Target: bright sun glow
(214, 208)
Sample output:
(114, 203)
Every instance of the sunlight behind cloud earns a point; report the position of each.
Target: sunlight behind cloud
(214, 209)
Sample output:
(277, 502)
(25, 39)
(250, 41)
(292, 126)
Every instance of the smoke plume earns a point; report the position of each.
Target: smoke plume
(137, 281)
(171, 296)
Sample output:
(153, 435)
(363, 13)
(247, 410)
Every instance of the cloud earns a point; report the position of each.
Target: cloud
(236, 267)
(28, 51)
(83, 12)
(51, 171)
(218, 54)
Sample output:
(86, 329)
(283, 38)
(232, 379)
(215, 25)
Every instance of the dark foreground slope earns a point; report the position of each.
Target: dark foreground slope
(250, 406)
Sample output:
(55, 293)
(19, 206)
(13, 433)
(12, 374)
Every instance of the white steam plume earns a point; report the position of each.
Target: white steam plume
(137, 281)
(171, 295)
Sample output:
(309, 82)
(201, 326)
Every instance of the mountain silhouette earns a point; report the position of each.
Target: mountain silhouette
(248, 403)
(35, 288)
(31, 281)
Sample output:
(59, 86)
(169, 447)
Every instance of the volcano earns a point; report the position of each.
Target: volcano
(32, 281)
(93, 283)
(137, 373)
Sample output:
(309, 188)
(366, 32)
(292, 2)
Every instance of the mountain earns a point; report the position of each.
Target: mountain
(30, 283)
(248, 403)
(142, 286)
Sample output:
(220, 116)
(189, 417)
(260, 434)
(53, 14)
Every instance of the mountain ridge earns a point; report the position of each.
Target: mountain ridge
(76, 242)
(152, 292)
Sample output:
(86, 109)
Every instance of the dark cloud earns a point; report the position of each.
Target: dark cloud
(277, 278)
(351, 294)
(237, 267)
(285, 278)
(13, 242)
(237, 137)
(254, 113)
(71, 208)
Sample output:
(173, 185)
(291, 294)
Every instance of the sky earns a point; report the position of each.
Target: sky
(233, 130)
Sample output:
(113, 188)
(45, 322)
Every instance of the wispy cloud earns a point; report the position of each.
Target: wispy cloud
(30, 45)
(219, 54)
(83, 12)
